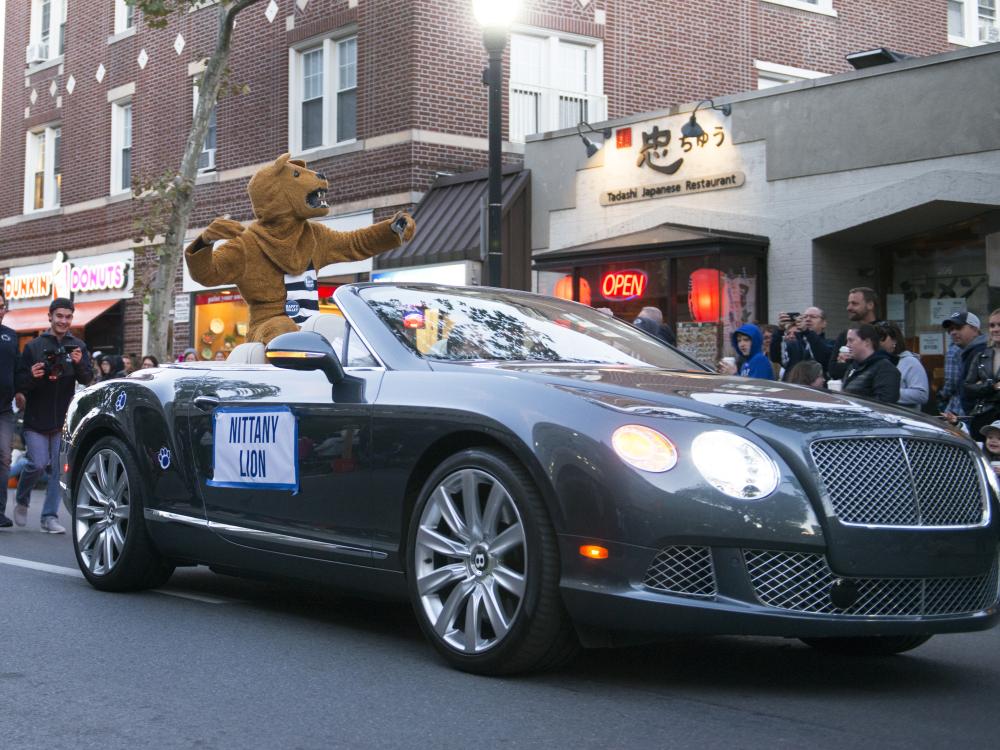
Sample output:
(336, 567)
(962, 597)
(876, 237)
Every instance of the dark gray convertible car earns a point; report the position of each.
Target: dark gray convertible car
(533, 475)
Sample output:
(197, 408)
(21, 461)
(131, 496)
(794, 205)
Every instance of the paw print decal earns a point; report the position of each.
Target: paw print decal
(164, 458)
(120, 401)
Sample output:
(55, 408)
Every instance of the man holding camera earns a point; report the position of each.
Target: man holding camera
(805, 338)
(47, 375)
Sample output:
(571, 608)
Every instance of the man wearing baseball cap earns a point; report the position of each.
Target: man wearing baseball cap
(963, 327)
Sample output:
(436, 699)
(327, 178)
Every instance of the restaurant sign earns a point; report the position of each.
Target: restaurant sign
(677, 187)
(104, 276)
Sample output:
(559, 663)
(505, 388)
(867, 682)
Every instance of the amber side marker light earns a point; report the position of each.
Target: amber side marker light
(594, 551)
(293, 355)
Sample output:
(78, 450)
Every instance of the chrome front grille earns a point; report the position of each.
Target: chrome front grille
(900, 481)
(687, 571)
(801, 582)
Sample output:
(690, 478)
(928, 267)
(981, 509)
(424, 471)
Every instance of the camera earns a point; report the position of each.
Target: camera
(792, 317)
(57, 359)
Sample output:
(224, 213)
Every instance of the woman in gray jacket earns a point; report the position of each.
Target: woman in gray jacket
(913, 387)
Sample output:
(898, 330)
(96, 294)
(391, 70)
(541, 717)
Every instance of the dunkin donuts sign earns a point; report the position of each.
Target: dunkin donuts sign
(67, 278)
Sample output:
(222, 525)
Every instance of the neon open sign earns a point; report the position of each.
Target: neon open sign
(623, 285)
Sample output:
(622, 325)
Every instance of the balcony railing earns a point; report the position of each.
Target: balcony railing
(537, 109)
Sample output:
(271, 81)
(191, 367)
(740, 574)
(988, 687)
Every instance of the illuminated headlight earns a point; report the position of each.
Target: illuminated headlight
(991, 476)
(734, 465)
(644, 448)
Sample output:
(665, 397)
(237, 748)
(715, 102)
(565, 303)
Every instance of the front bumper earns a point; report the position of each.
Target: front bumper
(720, 590)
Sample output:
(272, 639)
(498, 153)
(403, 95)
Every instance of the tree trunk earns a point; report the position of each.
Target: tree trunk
(160, 290)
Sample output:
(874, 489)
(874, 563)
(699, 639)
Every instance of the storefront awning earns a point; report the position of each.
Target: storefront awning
(29, 319)
(664, 237)
(450, 218)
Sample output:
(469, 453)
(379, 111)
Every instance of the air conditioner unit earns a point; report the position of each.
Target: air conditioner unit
(37, 53)
(989, 31)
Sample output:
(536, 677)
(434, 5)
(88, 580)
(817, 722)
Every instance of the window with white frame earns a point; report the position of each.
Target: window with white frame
(555, 82)
(816, 6)
(206, 159)
(124, 16)
(770, 75)
(47, 30)
(43, 174)
(973, 22)
(323, 81)
(121, 147)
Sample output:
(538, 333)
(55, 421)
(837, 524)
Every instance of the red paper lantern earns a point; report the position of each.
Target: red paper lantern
(564, 289)
(703, 295)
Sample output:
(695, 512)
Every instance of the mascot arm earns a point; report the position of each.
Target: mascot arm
(336, 247)
(223, 265)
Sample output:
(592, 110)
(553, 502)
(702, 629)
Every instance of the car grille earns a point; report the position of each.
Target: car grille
(900, 482)
(801, 582)
(687, 571)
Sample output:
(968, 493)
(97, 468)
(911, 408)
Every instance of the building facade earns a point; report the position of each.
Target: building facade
(383, 96)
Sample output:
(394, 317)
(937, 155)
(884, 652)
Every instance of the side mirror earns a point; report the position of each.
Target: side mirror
(305, 350)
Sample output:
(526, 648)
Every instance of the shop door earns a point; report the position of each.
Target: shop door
(282, 460)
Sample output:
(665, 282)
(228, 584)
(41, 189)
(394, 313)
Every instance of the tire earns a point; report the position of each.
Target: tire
(112, 546)
(483, 569)
(876, 645)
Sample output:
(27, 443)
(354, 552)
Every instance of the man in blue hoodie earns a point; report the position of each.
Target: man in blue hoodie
(751, 362)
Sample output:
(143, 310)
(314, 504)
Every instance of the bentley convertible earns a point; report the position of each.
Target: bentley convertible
(533, 476)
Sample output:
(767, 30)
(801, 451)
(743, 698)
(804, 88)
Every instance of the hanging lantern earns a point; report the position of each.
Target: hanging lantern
(703, 295)
(564, 289)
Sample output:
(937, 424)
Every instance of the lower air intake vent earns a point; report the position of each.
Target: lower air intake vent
(687, 571)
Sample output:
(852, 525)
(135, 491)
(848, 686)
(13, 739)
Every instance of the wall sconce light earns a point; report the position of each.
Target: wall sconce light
(591, 147)
(691, 129)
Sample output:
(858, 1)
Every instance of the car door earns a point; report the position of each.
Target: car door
(283, 458)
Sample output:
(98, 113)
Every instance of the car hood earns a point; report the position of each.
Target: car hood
(761, 405)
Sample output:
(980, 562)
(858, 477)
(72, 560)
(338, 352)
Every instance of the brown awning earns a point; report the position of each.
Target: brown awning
(28, 319)
(450, 218)
(662, 237)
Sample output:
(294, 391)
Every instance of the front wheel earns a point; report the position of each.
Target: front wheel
(484, 567)
(112, 547)
(876, 645)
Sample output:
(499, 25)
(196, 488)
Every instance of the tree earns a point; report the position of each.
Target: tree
(169, 198)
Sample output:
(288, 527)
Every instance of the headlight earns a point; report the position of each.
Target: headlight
(991, 476)
(644, 448)
(734, 465)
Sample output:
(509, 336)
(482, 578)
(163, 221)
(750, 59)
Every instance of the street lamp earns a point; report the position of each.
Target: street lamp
(495, 17)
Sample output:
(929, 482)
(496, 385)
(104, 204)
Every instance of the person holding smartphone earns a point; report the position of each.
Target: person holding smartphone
(46, 378)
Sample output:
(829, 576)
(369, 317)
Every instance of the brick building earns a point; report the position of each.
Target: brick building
(381, 95)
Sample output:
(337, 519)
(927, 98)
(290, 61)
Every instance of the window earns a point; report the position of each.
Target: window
(206, 159)
(43, 173)
(770, 75)
(121, 147)
(973, 22)
(48, 23)
(554, 83)
(323, 103)
(816, 6)
(124, 16)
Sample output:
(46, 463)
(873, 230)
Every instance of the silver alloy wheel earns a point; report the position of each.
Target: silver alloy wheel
(470, 561)
(102, 512)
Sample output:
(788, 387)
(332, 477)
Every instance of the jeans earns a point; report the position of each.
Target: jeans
(6, 438)
(43, 451)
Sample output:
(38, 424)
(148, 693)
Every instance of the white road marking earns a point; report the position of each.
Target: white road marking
(75, 573)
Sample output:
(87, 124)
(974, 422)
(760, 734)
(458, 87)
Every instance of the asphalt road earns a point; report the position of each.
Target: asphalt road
(218, 662)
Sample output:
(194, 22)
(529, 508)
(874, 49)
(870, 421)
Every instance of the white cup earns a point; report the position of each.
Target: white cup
(995, 464)
(845, 350)
(835, 385)
(729, 361)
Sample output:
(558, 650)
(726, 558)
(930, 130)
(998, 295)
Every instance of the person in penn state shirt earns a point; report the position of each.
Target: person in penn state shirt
(47, 374)
(8, 363)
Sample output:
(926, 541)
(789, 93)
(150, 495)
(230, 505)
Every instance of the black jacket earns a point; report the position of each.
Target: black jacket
(8, 364)
(807, 345)
(980, 380)
(47, 399)
(875, 377)
(972, 371)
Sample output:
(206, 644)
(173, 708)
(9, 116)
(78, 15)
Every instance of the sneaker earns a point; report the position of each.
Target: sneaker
(5, 523)
(51, 525)
(20, 514)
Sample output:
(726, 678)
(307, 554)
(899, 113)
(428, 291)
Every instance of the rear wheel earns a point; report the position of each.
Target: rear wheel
(484, 567)
(876, 645)
(112, 546)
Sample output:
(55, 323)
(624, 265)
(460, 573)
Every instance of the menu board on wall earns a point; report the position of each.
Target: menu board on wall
(699, 340)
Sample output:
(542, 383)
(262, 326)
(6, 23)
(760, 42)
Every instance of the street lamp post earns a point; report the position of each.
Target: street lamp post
(495, 17)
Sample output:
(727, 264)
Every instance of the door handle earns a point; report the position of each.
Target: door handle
(206, 403)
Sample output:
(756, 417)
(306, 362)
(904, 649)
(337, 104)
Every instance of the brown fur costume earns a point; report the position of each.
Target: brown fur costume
(282, 240)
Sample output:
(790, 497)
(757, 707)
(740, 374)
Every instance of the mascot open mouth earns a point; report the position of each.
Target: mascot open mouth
(317, 199)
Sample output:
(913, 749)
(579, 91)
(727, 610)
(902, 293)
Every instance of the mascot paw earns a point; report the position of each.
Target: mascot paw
(221, 229)
(404, 226)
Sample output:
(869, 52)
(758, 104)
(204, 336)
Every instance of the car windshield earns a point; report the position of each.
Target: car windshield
(445, 323)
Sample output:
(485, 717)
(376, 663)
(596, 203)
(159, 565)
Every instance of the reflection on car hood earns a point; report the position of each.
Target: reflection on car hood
(738, 400)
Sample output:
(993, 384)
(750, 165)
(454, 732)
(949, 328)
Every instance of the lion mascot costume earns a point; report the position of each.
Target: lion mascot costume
(274, 260)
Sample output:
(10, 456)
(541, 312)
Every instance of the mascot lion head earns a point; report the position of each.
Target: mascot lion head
(287, 189)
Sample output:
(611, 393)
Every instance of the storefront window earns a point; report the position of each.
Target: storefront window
(220, 323)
